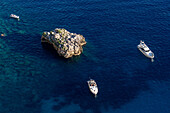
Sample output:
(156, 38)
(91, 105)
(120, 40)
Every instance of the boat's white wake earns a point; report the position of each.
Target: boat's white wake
(152, 60)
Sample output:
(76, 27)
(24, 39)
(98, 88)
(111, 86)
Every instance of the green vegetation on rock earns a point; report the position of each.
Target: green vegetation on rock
(44, 34)
(59, 31)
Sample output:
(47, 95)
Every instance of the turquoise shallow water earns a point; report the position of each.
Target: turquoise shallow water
(34, 79)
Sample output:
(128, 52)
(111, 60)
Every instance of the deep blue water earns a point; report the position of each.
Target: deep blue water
(34, 79)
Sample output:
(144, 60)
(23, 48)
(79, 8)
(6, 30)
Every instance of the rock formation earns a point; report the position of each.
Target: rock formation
(65, 43)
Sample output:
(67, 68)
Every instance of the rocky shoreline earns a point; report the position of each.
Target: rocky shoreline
(65, 43)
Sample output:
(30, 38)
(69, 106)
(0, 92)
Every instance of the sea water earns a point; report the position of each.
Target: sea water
(34, 79)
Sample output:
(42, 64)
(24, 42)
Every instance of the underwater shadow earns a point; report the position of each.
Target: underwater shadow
(49, 49)
(114, 92)
(28, 44)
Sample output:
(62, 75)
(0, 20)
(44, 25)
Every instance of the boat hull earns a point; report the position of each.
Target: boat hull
(14, 16)
(147, 55)
(93, 89)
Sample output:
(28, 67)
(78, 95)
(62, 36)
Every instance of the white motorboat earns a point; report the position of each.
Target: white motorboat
(93, 86)
(145, 50)
(14, 16)
(3, 35)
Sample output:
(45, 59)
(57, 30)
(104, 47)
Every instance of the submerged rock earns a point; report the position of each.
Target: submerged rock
(65, 43)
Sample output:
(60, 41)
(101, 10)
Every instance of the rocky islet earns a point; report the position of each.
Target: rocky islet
(65, 43)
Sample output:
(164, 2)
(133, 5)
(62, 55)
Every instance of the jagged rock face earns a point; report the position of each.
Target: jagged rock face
(66, 44)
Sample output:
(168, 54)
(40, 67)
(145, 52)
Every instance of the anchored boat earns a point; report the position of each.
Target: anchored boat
(93, 86)
(14, 16)
(145, 50)
(3, 34)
